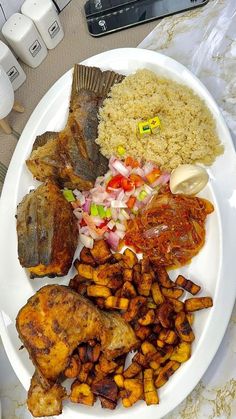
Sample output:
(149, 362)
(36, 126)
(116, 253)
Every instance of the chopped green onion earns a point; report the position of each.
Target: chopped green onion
(68, 194)
(94, 209)
(108, 213)
(142, 195)
(101, 211)
(121, 150)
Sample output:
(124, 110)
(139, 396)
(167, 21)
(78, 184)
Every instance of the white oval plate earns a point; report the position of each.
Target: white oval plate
(213, 268)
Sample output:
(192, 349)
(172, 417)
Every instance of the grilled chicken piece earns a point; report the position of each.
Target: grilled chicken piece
(45, 402)
(47, 232)
(71, 157)
(56, 319)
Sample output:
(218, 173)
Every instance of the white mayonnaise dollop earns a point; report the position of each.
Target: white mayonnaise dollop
(188, 179)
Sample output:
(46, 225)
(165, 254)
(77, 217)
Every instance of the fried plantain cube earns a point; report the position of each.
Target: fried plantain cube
(176, 304)
(183, 328)
(150, 392)
(148, 318)
(86, 271)
(119, 380)
(166, 372)
(101, 252)
(98, 291)
(133, 369)
(165, 314)
(168, 336)
(128, 290)
(157, 294)
(128, 274)
(182, 352)
(195, 304)
(135, 305)
(175, 293)
(187, 285)
(130, 258)
(134, 391)
(144, 284)
(86, 257)
(73, 369)
(163, 277)
(116, 302)
(106, 388)
(81, 393)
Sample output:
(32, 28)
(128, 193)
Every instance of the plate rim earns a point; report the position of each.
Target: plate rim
(8, 182)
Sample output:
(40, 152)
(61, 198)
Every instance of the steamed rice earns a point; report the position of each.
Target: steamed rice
(188, 133)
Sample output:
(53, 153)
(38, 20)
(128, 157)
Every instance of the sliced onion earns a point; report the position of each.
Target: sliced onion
(111, 166)
(79, 196)
(118, 204)
(84, 230)
(111, 224)
(121, 195)
(129, 193)
(78, 214)
(148, 189)
(87, 205)
(114, 213)
(86, 241)
(121, 168)
(97, 220)
(162, 180)
(123, 215)
(148, 167)
(120, 226)
(113, 239)
(138, 171)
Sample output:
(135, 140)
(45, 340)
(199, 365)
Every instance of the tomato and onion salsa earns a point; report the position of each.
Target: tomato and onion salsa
(116, 198)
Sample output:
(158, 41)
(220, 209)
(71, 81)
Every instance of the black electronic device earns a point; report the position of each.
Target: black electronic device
(106, 16)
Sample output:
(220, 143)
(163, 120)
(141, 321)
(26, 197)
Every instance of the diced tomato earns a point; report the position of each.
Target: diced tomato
(126, 184)
(103, 224)
(153, 175)
(119, 181)
(114, 183)
(136, 180)
(131, 201)
(129, 161)
(82, 223)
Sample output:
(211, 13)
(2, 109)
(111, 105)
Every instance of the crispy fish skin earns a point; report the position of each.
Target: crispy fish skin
(47, 232)
(45, 402)
(72, 157)
(56, 319)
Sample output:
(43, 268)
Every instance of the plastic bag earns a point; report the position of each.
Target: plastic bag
(204, 40)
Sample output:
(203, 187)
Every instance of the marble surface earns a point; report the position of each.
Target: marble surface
(205, 41)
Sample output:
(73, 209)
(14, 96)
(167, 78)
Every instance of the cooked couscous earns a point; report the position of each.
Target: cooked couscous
(187, 134)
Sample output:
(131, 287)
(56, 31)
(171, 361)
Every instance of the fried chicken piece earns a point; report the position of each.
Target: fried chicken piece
(56, 319)
(45, 402)
(47, 232)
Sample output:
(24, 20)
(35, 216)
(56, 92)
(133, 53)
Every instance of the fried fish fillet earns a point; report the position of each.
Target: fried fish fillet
(56, 320)
(47, 232)
(71, 157)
